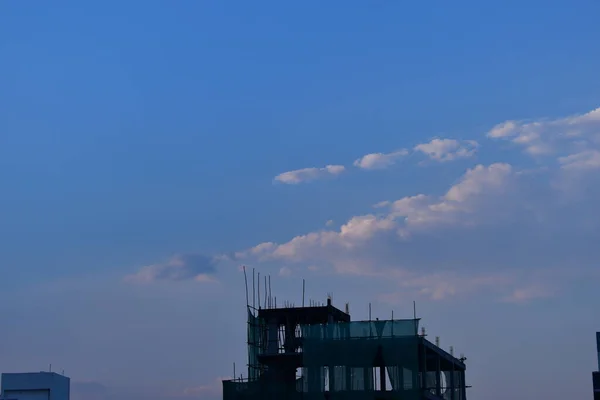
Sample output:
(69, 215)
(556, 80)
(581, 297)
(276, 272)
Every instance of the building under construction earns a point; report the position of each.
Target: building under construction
(317, 352)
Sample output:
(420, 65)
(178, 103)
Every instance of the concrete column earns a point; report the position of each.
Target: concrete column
(368, 378)
(331, 378)
(452, 385)
(598, 348)
(423, 363)
(272, 342)
(348, 371)
(290, 337)
(438, 378)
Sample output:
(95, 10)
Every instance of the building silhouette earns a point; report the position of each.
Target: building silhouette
(317, 352)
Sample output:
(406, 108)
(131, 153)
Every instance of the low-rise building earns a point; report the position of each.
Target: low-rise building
(35, 386)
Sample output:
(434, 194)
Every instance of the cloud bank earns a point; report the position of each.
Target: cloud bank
(500, 228)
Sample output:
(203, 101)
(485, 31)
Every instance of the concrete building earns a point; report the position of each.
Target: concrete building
(35, 386)
(596, 375)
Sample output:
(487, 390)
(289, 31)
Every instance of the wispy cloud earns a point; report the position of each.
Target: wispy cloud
(529, 293)
(309, 174)
(458, 206)
(178, 268)
(380, 160)
(443, 150)
(444, 285)
(582, 161)
(549, 136)
(440, 150)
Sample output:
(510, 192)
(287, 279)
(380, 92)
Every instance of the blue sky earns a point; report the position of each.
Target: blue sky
(148, 148)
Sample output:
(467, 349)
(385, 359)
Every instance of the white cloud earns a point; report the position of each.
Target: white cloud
(479, 180)
(584, 160)
(351, 235)
(179, 268)
(458, 207)
(505, 129)
(442, 150)
(309, 174)
(549, 136)
(382, 204)
(380, 160)
(473, 224)
(461, 202)
(480, 236)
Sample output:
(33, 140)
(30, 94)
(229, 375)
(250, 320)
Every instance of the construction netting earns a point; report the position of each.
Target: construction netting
(255, 328)
(362, 330)
(344, 357)
(450, 385)
(454, 383)
(346, 361)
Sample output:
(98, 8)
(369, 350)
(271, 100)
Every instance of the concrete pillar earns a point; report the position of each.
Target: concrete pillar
(272, 342)
(438, 378)
(290, 337)
(452, 385)
(598, 348)
(348, 371)
(423, 363)
(368, 378)
(331, 368)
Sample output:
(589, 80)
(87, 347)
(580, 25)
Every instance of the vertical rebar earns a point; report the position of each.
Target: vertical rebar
(253, 293)
(246, 282)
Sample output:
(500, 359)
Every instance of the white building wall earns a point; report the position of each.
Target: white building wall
(35, 386)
